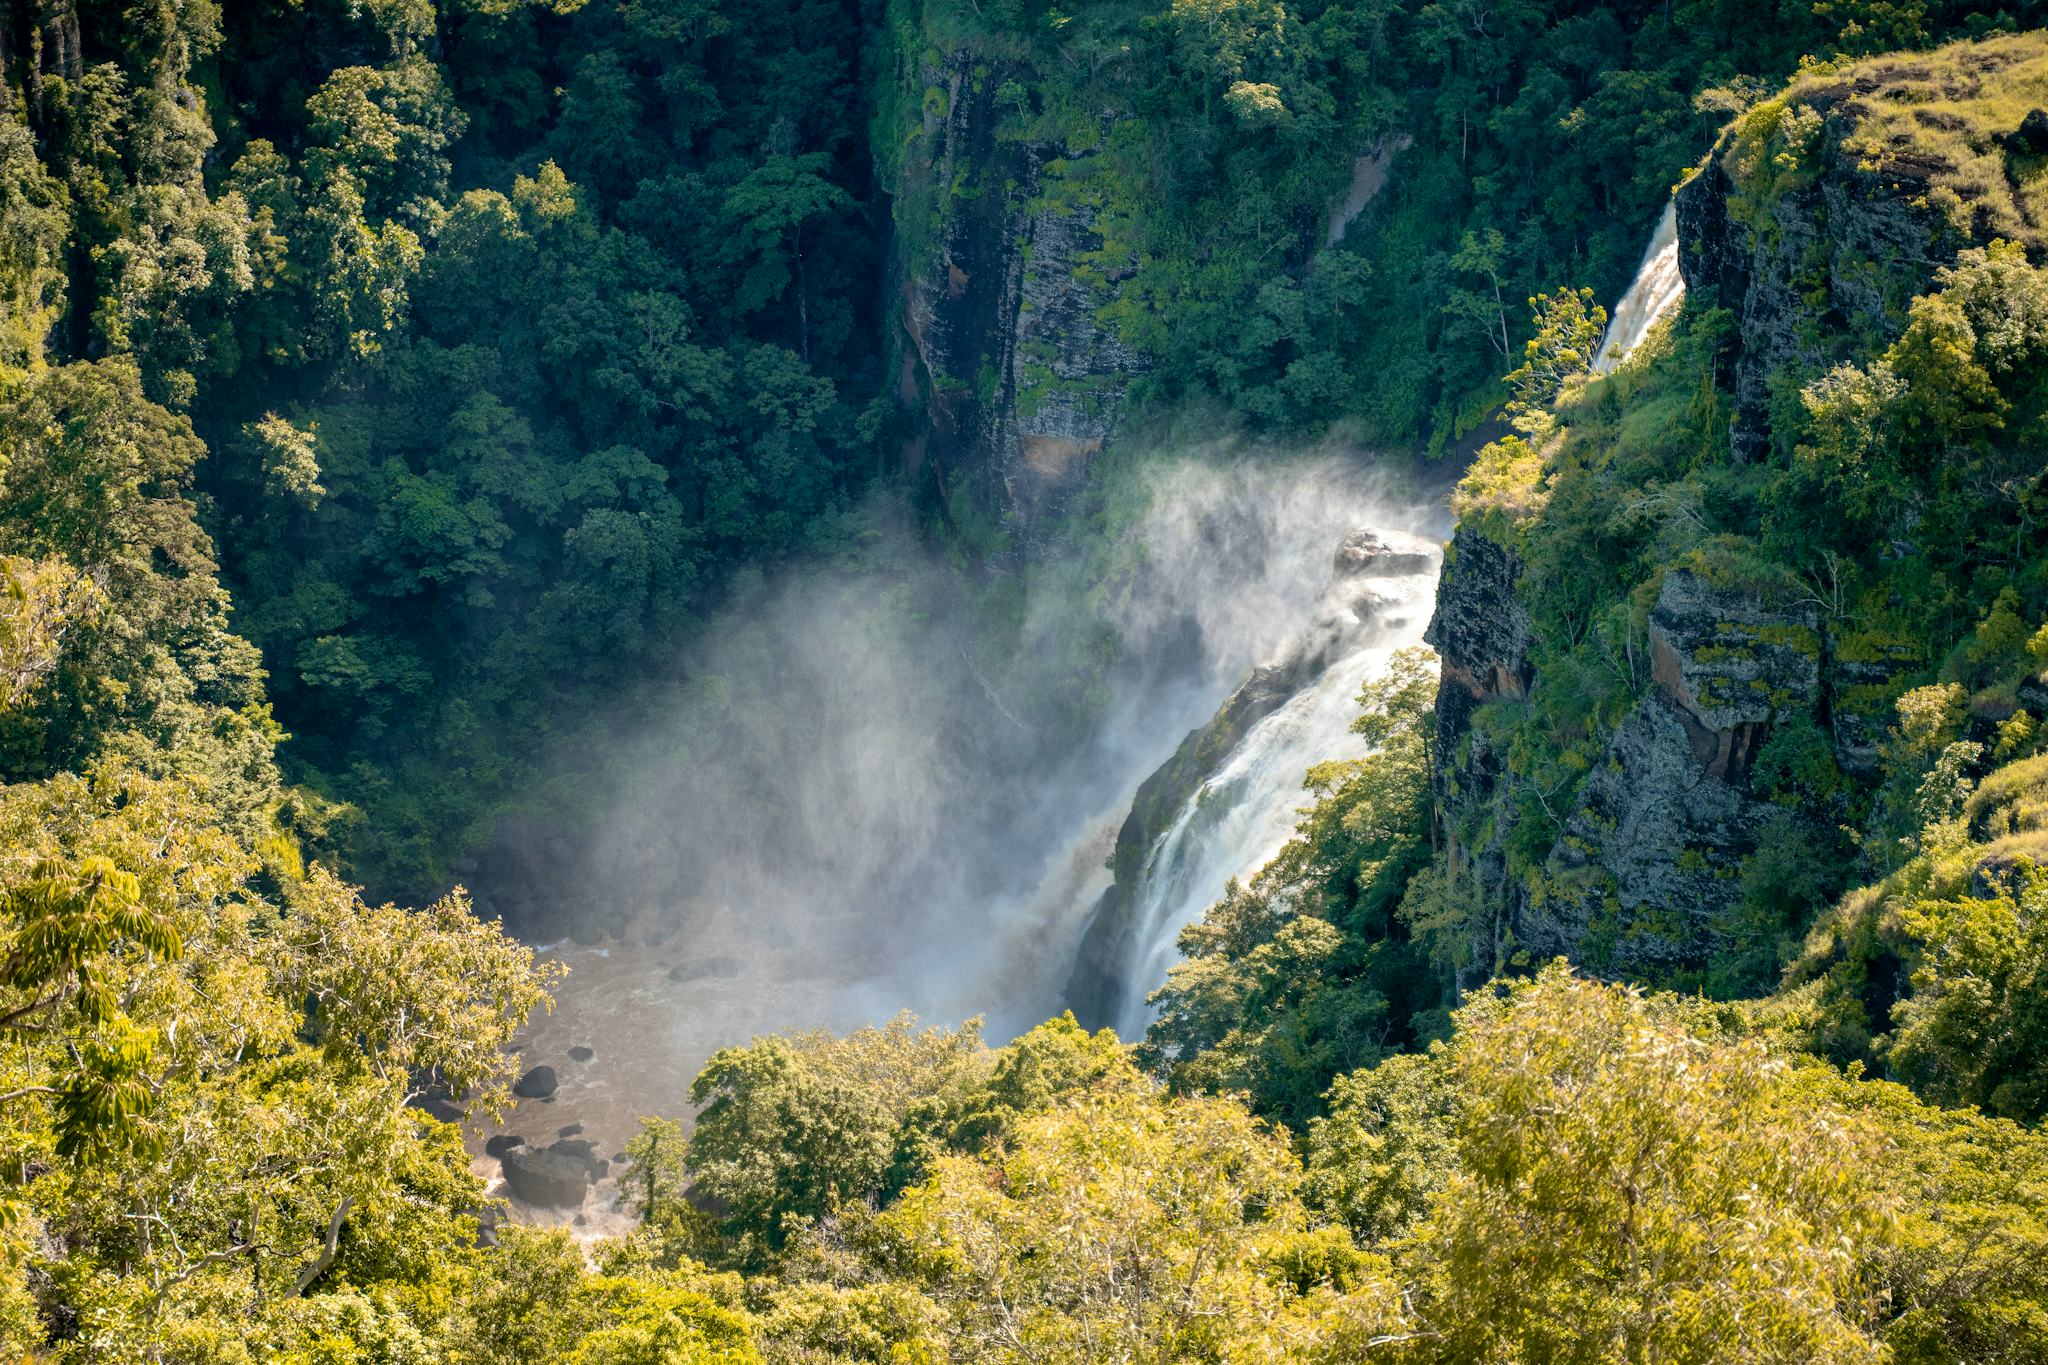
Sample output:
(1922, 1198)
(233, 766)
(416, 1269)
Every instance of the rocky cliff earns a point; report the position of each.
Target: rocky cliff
(1822, 213)
(1005, 276)
(1649, 845)
(1816, 221)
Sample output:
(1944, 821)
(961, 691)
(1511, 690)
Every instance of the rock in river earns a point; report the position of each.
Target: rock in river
(537, 1084)
(546, 1178)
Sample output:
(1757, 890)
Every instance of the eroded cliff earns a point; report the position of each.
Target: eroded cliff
(1005, 276)
(1600, 729)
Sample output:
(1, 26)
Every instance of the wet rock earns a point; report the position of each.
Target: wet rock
(546, 1178)
(1479, 629)
(1024, 378)
(1095, 990)
(569, 1130)
(502, 1143)
(705, 969)
(537, 1084)
(581, 1054)
(487, 1220)
(1649, 857)
(1481, 633)
(1365, 553)
(585, 1151)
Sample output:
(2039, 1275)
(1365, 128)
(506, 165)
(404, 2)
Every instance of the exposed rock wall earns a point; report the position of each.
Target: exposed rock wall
(1021, 380)
(1816, 221)
(1819, 240)
(1481, 635)
(1651, 855)
(1649, 852)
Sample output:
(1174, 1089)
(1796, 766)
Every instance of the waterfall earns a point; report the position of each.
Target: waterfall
(1247, 809)
(1655, 291)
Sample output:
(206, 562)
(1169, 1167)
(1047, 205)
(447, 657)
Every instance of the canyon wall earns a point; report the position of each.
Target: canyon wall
(1005, 274)
(1814, 223)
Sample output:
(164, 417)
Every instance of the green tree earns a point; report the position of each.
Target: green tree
(1630, 1186)
(793, 1128)
(1126, 1226)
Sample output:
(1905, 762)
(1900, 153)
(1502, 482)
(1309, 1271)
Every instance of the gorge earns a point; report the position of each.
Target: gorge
(908, 682)
(840, 939)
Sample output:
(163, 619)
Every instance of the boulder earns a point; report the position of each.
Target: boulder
(502, 1143)
(546, 1178)
(1366, 553)
(581, 1054)
(537, 1084)
(569, 1130)
(705, 969)
(585, 1151)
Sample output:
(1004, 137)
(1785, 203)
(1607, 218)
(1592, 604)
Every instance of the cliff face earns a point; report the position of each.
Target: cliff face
(1004, 281)
(1481, 635)
(1651, 855)
(1821, 214)
(1651, 843)
(1815, 223)
(1800, 269)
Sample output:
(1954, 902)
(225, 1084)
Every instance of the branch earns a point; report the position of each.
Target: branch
(210, 1258)
(29, 1090)
(10, 1019)
(326, 1256)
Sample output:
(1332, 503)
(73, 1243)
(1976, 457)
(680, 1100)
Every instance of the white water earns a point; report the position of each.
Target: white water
(851, 817)
(1656, 290)
(1247, 810)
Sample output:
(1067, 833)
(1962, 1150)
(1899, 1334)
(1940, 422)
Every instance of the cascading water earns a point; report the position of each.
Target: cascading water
(1656, 290)
(1245, 812)
(847, 813)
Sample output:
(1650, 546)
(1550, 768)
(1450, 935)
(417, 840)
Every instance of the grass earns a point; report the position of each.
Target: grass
(1937, 120)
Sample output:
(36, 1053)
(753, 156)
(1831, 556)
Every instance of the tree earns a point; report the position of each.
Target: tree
(793, 1128)
(94, 475)
(1291, 980)
(1631, 1186)
(208, 1091)
(1388, 1142)
(767, 211)
(1568, 330)
(1124, 1226)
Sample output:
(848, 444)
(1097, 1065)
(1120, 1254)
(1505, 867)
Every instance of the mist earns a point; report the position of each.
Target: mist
(896, 786)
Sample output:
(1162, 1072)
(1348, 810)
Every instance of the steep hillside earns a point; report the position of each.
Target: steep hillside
(1692, 623)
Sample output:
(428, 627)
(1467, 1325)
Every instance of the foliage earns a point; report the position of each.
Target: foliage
(1306, 972)
(1627, 1188)
(1130, 1228)
(487, 344)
